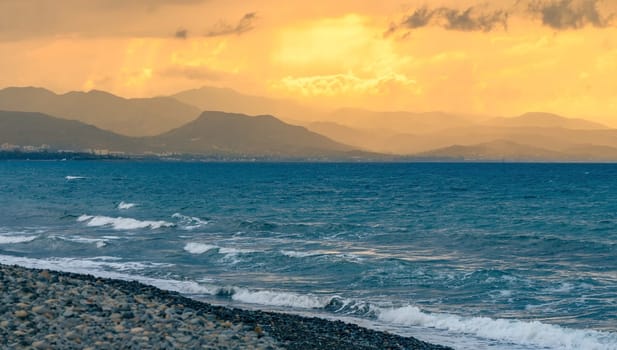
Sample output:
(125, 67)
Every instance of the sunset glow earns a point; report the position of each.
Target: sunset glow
(504, 59)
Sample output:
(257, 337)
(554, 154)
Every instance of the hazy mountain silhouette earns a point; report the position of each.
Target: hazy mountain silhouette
(511, 151)
(222, 99)
(133, 117)
(230, 133)
(412, 133)
(36, 129)
(545, 120)
(212, 134)
(365, 139)
(555, 139)
(177, 127)
(495, 150)
(398, 122)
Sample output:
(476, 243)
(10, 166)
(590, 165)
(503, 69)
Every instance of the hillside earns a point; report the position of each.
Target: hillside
(131, 117)
(496, 150)
(36, 129)
(545, 120)
(212, 134)
(229, 133)
(398, 122)
(209, 98)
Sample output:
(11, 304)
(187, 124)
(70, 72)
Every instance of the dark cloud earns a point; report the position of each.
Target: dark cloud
(420, 18)
(469, 19)
(244, 25)
(570, 14)
(557, 14)
(181, 34)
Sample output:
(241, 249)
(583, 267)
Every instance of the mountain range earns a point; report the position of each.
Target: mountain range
(175, 124)
(131, 117)
(211, 134)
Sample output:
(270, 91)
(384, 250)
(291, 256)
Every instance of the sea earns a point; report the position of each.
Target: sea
(470, 255)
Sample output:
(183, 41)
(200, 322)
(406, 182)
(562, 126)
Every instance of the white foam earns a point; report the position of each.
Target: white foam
(100, 243)
(16, 239)
(125, 205)
(189, 222)
(121, 223)
(69, 178)
(198, 248)
(532, 333)
(277, 298)
(235, 251)
(232, 254)
(86, 265)
(297, 254)
(567, 287)
(93, 266)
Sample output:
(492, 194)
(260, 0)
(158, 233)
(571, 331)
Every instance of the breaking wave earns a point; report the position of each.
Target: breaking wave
(519, 332)
(189, 222)
(121, 223)
(125, 205)
(198, 248)
(16, 239)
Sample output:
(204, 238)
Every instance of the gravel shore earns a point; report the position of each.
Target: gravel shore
(41, 309)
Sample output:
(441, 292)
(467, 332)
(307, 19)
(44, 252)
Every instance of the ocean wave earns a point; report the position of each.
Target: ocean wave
(567, 287)
(230, 254)
(531, 333)
(83, 265)
(280, 298)
(121, 223)
(94, 266)
(508, 331)
(331, 255)
(70, 177)
(16, 239)
(125, 205)
(298, 254)
(198, 248)
(189, 222)
(99, 242)
(235, 251)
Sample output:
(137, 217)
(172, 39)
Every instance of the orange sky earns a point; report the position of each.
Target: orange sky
(504, 59)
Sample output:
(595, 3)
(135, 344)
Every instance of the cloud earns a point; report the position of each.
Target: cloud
(570, 14)
(468, 20)
(244, 25)
(26, 19)
(348, 83)
(181, 34)
(557, 14)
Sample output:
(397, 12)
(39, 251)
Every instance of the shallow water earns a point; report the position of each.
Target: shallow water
(494, 256)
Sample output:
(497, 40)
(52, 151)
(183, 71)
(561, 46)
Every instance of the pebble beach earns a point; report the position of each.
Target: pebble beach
(42, 309)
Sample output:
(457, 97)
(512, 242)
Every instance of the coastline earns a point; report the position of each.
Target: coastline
(45, 309)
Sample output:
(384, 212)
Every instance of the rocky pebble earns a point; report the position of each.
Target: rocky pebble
(42, 309)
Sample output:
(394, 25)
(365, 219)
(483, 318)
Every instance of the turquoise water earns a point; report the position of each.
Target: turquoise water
(495, 256)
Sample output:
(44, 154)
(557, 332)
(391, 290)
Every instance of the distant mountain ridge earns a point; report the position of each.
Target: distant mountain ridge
(501, 150)
(545, 120)
(131, 117)
(208, 98)
(37, 129)
(212, 134)
(174, 124)
(233, 133)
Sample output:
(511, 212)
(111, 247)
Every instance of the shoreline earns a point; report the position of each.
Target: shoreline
(44, 309)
